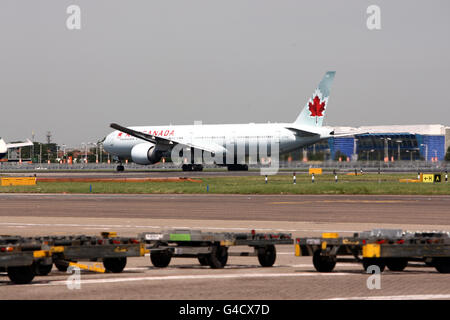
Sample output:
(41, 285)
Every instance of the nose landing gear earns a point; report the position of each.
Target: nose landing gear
(120, 167)
(192, 167)
(237, 167)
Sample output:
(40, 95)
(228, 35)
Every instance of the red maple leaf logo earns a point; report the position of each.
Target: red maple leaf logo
(316, 107)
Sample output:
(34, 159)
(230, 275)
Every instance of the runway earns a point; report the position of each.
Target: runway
(422, 210)
(291, 277)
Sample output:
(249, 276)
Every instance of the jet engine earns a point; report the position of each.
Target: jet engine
(145, 153)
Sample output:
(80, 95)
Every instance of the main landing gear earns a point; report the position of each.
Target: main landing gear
(237, 167)
(192, 167)
(120, 167)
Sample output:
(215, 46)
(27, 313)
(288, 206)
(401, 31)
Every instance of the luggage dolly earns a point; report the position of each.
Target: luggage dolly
(383, 248)
(25, 257)
(210, 248)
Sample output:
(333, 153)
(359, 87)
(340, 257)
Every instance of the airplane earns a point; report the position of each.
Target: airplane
(146, 145)
(5, 146)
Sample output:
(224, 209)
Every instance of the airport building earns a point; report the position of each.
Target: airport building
(389, 143)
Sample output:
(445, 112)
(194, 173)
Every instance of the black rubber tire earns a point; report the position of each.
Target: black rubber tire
(428, 261)
(367, 262)
(396, 264)
(160, 259)
(62, 266)
(187, 167)
(197, 167)
(323, 263)
(115, 265)
(218, 258)
(442, 264)
(267, 255)
(43, 269)
(22, 274)
(120, 168)
(203, 260)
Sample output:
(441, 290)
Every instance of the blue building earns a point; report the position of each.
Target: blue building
(398, 142)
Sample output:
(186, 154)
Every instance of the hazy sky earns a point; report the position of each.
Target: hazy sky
(228, 61)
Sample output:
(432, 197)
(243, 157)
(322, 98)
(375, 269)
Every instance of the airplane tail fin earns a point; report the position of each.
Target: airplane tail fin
(314, 110)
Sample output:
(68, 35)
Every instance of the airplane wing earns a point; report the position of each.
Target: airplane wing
(201, 145)
(349, 134)
(324, 133)
(19, 145)
(303, 133)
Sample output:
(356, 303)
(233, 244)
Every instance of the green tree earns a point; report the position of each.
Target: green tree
(447, 155)
(48, 151)
(319, 156)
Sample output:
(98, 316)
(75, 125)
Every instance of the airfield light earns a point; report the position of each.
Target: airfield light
(386, 149)
(399, 142)
(426, 150)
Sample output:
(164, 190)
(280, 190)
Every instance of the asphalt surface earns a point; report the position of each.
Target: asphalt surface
(291, 277)
(313, 208)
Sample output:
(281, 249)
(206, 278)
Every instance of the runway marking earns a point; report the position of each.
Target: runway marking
(106, 226)
(399, 297)
(340, 201)
(192, 277)
(234, 266)
(341, 264)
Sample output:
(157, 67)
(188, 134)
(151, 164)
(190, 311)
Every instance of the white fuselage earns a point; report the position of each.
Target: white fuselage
(241, 136)
(3, 148)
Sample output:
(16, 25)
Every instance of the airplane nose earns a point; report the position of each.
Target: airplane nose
(3, 148)
(108, 142)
